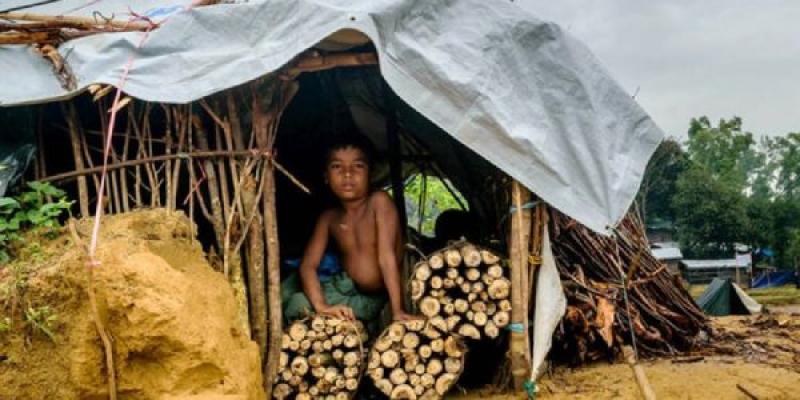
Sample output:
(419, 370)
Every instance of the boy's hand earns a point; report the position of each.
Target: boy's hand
(404, 316)
(338, 311)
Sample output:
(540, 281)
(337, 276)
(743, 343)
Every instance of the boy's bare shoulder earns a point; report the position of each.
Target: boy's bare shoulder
(381, 202)
(328, 215)
(381, 199)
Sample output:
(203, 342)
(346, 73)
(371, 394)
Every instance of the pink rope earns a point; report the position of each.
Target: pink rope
(109, 135)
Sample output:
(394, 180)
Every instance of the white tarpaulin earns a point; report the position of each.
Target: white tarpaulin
(551, 304)
(515, 89)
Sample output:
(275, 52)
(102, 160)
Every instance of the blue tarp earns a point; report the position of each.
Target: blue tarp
(773, 279)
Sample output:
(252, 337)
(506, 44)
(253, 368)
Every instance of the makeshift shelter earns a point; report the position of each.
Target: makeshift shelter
(723, 297)
(217, 98)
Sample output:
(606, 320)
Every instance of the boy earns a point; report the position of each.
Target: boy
(366, 228)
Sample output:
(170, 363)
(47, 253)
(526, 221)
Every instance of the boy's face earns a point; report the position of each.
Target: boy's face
(347, 173)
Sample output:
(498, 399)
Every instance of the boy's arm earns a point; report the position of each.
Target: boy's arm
(308, 271)
(388, 221)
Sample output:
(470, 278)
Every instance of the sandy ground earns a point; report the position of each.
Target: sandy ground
(759, 355)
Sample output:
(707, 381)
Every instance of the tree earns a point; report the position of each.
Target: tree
(710, 214)
(658, 183)
(728, 153)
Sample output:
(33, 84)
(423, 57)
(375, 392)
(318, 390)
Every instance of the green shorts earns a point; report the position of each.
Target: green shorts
(339, 289)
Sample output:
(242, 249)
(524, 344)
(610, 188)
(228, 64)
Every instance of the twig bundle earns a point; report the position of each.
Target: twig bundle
(416, 360)
(463, 289)
(321, 357)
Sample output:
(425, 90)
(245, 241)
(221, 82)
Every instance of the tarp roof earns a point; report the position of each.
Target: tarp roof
(517, 90)
(667, 253)
(701, 264)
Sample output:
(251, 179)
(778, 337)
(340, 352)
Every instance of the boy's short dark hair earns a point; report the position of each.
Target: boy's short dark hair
(350, 140)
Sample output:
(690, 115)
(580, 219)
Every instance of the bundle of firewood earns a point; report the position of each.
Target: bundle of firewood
(416, 360)
(321, 357)
(464, 289)
(616, 289)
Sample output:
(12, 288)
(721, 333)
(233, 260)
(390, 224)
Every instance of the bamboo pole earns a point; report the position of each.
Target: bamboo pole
(213, 184)
(78, 22)
(519, 353)
(72, 121)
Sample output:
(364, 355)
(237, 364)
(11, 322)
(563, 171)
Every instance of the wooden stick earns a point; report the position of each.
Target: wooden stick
(68, 108)
(79, 22)
(638, 372)
(518, 247)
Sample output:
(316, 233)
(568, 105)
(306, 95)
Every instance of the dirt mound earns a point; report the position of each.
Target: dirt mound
(172, 318)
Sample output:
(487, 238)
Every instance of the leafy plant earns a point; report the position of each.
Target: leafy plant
(41, 319)
(30, 209)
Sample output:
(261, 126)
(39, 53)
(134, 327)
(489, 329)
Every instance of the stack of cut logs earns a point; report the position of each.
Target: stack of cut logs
(416, 360)
(321, 358)
(600, 314)
(463, 289)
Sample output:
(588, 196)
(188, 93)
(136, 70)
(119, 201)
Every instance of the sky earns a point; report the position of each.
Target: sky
(688, 58)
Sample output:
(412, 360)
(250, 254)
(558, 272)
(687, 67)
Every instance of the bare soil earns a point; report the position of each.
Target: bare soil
(172, 318)
(757, 354)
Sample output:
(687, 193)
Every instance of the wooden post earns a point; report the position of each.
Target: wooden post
(519, 353)
(74, 133)
(395, 162)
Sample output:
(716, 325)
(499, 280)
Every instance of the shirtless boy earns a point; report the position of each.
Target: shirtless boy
(366, 229)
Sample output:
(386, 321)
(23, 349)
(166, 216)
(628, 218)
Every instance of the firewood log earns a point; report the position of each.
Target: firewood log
(504, 305)
(501, 319)
(427, 380)
(449, 309)
(439, 323)
(466, 287)
(478, 306)
(491, 329)
(395, 332)
(472, 274)
(351, 372)
(436, 261)
(469, 330)
(384, 385)
(452, 321)
(351, 341)
(318, 324)
(470, 255)
(436, 282)
(461, 305)
(495, 271)
(499, 289)
(297, 332)
(422, 272)
(284, 360)
(452, 273)
(478, 287)
(480, 318)
(285, 341)
(419, 369)
(389, 358)
(410, 340)
(434, 366)
(376, 373)
(417, 289)
(320, 359)
(351, 359)
(281, 391)
(351, 384)
(403, 392)
(452, 257)
(437, 345)
(453, 348)
(453, 365)
(415, 325)
(425, 351)
(489, 257)
(444, 382)
(303, 396)
(398, 376)
(448, 283)
(429, 306)
(299, 366)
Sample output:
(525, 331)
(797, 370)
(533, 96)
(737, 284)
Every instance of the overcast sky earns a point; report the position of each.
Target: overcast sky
(695, 57)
